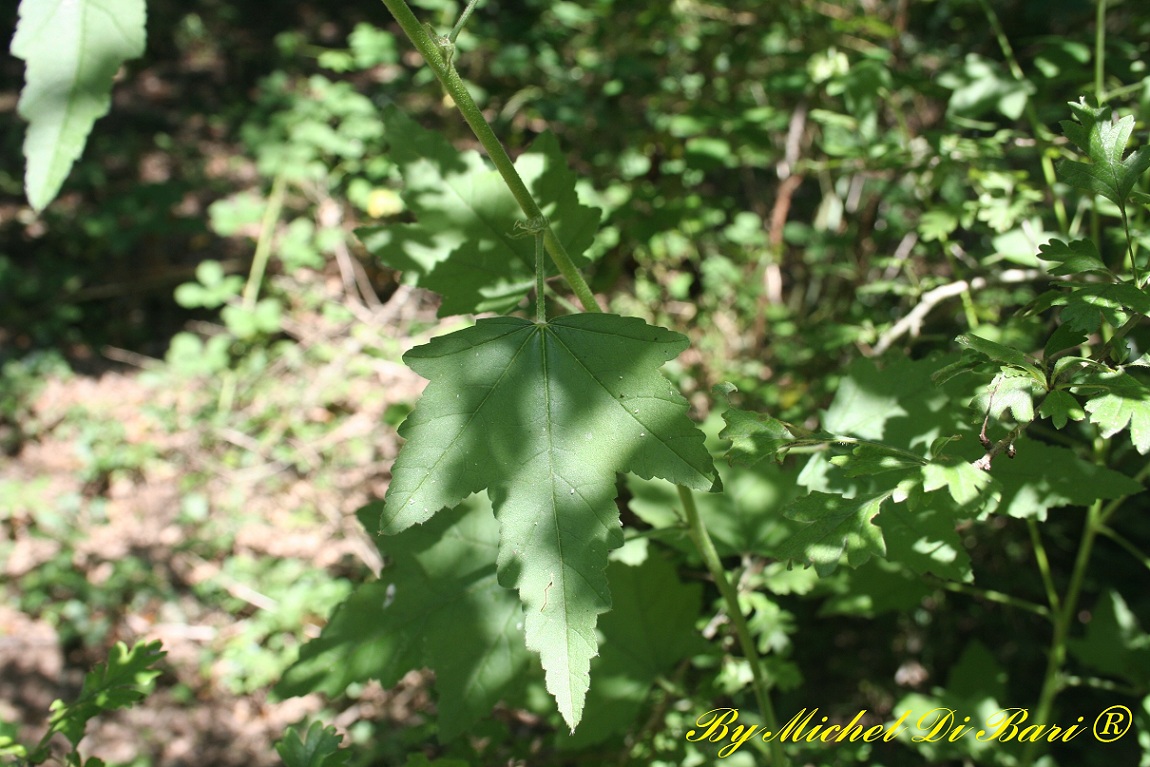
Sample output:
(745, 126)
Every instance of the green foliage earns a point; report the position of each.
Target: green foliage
(584, 388)
(212, 289)
(1109, 173)
(441, 584)
(907, 454)
(72, 51)
(895, 196)
(1117, 400)
(319, 747)
(121, 682)
(463, 244)
(836, 529)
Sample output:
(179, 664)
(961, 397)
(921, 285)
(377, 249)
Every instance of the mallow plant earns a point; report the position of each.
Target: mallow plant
(542, 412)
(506, 556)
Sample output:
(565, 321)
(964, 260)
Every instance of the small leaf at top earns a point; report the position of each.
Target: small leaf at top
(1104, 141)
(543, 416)
(72, 51)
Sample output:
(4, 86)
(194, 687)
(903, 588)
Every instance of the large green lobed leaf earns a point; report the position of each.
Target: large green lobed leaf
(543, 416)
(1109, 173)
(72, 49)
(440, 583)
(649, 631)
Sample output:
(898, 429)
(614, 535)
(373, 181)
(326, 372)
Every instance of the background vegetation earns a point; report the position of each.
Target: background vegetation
(202, 381)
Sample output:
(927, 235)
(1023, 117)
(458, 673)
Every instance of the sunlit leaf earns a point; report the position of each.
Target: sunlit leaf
(119, 683)
(543, 416)
(1012, 390)
(837, 529)
(1075, 257)
(319, 747)
(1125, 401)
(964, 483)
(72, 50)
(1060, 406)
(1104, 140)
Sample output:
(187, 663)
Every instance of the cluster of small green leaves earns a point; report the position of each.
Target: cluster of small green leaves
(910, 454)
(122, 682)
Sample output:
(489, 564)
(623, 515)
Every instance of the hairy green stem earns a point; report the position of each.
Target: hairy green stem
(702, 540)
(444, 70)
(463, 17)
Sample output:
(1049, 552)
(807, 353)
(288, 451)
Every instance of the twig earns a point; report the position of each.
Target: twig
(355, 279)
(912, 322)
(131, 358)
(993, 449)
(1006, 444)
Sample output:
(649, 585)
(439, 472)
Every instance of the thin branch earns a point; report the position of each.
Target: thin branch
(912, 322)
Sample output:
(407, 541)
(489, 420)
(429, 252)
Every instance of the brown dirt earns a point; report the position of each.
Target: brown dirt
(192, 718)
